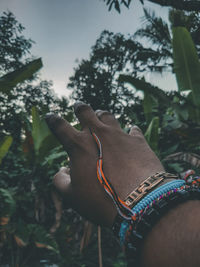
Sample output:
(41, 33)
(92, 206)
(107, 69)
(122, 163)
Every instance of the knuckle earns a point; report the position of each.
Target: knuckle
(101, 128)
(102, 113)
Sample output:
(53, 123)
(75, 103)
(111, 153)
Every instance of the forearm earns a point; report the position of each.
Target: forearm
(175, 239)
(163, 230)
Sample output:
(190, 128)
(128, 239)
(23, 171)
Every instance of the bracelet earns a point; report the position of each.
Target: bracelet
(146, 201)
(146, 186)
(124, 207)
(147, 218)
(140, 220)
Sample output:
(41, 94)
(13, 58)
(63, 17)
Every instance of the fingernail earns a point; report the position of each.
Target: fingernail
(78, 104)
(98, 110)
(52, 120)
(49, 116)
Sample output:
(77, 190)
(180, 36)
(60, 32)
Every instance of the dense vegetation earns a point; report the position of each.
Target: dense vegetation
(32, 232)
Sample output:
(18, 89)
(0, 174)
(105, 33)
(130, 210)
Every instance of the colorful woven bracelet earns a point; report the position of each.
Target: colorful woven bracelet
(138, 230)
(146, 201)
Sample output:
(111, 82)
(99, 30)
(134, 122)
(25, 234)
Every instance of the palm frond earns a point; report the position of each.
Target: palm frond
(155, 29)
(188, 5)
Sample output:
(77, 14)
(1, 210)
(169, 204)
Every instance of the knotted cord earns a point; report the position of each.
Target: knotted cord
(122, 208)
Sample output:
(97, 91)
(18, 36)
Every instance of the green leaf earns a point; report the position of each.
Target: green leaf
(175, 167)
(151, 134)
(7, 203)
(149, 104)
(181, 111)
(28, 233)
(4, 147)
(53, 155)
(193, 115)
(140, 84)
(43, 239)
(40, 130)
(10, 80)
(186, 63)
(43, 139)
(28, 147)
(22, 234)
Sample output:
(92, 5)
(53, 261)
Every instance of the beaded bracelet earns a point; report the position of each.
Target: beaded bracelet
(150, 215)
(146, 201)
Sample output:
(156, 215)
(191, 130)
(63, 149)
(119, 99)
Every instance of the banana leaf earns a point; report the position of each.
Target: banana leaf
(149, 104)
(43, 139)
(151, 134)
(142, 85)
(186, 63)
(10, 80)
(4, 146)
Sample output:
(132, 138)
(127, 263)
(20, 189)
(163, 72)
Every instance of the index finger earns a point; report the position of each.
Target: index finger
(64, 132)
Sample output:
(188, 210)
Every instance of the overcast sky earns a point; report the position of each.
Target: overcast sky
(65, 30)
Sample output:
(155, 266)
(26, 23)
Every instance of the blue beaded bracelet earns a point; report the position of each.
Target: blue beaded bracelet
(147, 200)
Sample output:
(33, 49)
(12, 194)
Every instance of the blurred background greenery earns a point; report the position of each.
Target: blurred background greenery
(34, 229)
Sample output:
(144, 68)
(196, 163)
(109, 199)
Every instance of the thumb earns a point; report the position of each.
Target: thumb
(62, 183)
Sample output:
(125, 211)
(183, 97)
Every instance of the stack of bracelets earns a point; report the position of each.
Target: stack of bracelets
(142, 210)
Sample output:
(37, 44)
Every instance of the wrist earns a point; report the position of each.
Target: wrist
(134, 232)
(114, 213)
(137, 200)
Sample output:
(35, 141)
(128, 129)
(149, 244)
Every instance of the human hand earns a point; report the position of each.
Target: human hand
(127, 161)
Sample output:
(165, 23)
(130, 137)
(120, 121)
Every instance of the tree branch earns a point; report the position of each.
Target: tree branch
(179, 4)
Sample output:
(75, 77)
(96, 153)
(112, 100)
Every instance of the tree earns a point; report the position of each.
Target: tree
(13, 45)
(157, 33)
(15, 50)
(187, 5)
(95, 80)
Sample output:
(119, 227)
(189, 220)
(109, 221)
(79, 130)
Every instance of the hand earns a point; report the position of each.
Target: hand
(127, 161)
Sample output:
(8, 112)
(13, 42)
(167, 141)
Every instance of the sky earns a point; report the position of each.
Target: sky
(65, 30)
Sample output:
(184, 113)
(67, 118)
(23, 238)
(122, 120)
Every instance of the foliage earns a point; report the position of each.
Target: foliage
(13, 45)
(7, 204)
(151, 134)
(189, 5)
(10, 80)
(109, 79)
(98, 75)
(4, 147)
(158, 36)
(186, 63)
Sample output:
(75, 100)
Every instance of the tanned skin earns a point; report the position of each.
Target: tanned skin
(127, 161)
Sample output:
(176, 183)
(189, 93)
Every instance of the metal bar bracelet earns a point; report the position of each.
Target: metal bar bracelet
(146, 186)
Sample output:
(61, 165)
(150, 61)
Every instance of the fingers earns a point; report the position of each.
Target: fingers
(63, 131)
(86, 116)
(107, 118)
